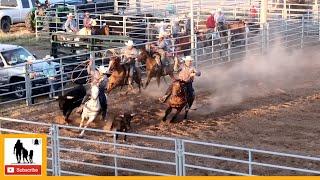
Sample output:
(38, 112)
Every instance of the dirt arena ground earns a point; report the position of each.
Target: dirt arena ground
(270, 103)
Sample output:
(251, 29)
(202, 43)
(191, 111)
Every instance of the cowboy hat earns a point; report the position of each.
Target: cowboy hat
(48, 57)
(93, 22)
(102, 69)
(187, 58)
(69, 15)
(129, 43)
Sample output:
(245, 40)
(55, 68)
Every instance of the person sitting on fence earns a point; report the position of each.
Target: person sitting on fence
(161, 27)
(175, 28)
(253, 13)
(99, 77)
(220, 20)
(210, 24)
(186, 73)
(49, 70)
(70, 25)
(87, 20)
(187, 26)
(130, 55)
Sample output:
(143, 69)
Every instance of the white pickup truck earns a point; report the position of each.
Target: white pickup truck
(14, 11)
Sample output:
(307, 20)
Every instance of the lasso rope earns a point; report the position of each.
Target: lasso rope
(85, 67)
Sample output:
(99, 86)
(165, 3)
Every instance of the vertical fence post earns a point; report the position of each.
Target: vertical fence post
(28, 86)
(212, 47)
(61, 76)
(180, 159)
(285, 32)
(124, 25)
(56, 20)
(55, 150)
(36, 25)
(196, 50)
(262, 37)
(115, 155)
(246, 38)
(267, 35)
(92, 57)
(302, 33)
(229, 45)
(250, 162)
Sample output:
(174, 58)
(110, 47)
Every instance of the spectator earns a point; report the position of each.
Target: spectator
(253, 13)
(211, 23)
(49, 71)
(70, 25)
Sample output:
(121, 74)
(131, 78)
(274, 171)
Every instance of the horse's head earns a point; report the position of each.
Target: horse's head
(106, 30)
(177, 87)
(114, 62)
(143, 55)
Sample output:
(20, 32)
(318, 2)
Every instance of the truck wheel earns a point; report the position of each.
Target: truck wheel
(29, 22)
(20, 87)
(5, 25)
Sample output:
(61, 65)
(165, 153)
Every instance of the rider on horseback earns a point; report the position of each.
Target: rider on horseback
(130, 55)
(98, 77)
(162, 48)
(186, 73)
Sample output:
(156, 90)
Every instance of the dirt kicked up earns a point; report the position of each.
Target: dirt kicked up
(270, 103)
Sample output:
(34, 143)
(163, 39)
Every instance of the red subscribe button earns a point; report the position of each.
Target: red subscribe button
(23, 170)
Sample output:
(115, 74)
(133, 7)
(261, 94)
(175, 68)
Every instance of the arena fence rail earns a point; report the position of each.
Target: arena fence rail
(100, 153)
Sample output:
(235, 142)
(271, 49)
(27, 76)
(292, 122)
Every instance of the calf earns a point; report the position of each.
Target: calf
(122, 123)
(71, 100)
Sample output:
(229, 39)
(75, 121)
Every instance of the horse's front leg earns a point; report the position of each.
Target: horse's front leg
(168, 111)
(176, 115)
(87, 124)
(149, 77)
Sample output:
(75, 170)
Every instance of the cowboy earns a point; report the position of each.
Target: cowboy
(70, 25)
(187, 26)
(220, 20)
(87, 20)
(175, 28)
(186, 73)
(49, 71)
(161, 27)
(130, 55)
(211, 23)
(162, 48)
(253, 13)
(100, 78)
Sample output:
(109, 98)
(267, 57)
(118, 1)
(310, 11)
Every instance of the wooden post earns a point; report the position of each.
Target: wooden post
(263, 12)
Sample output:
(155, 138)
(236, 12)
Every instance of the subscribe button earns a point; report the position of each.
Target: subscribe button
(23, 170)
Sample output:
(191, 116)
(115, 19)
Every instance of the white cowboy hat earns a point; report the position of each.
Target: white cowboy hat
(93, 22)
(69, 15)
(188, 58)
(129, 43)
(48, 57)
(102, 69)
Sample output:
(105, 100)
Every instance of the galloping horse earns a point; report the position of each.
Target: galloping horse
(91, 108)
(119, 75)
(151, 66)
(178, 100)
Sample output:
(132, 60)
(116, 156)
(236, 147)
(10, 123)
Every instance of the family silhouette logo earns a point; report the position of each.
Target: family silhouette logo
(24, 155)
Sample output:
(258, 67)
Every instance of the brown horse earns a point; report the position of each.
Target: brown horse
(151, 66)
(104, 30)
(178, 100)
(119, 76)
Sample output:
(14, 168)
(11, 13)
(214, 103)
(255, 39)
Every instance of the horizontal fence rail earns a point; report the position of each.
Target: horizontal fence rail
(28, 83)
(100, 153)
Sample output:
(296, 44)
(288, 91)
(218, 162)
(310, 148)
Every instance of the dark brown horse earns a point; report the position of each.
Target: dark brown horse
(104, 30)
(119, 76)
(178, 100)
(149, 59)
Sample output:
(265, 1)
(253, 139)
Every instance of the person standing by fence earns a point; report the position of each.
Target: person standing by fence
(70, 25)
(210, 24)
(253, 13)
(50, 72)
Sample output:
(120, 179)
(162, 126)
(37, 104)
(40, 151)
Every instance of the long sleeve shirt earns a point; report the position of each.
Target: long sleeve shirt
(70, 25)
(49, 70)
(185, 73)
(211, 23)
(220, 18)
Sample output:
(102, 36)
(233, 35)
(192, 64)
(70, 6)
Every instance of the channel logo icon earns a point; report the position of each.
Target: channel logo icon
(23, 156)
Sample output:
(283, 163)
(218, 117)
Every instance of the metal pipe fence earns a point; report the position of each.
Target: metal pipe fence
(209, 49)
(100, 153)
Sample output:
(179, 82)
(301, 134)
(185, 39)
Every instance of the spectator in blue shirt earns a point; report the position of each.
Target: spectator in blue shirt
(50, 72)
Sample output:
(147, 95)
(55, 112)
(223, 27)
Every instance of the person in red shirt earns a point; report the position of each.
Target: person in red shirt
(253, 12)
(211, 23)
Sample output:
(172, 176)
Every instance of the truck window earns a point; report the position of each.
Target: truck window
(25, 3)
(9, 3)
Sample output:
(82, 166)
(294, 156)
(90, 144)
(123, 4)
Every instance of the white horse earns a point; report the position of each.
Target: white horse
(91, 108)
